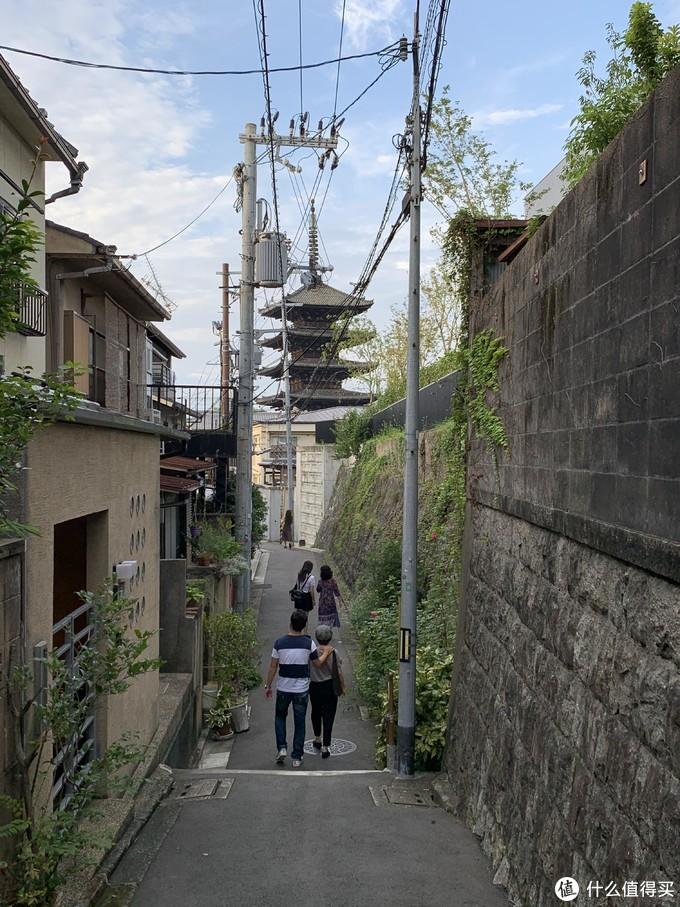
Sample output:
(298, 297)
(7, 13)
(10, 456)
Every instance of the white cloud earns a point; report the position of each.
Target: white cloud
(513, 115)
(365, 22)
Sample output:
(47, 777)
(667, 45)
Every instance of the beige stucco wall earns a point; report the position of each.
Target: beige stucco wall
(304, 432)
(76, 470)
(16, 160)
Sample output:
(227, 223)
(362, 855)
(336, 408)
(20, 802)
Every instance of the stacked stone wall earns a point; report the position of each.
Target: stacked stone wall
(564, 742)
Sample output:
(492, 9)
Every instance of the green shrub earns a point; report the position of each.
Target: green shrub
(350, 434)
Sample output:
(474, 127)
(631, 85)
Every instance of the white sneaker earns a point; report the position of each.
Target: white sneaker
(297, 763)
(281, 756)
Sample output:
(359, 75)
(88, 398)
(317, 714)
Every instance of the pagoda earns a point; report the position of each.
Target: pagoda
(315, 381)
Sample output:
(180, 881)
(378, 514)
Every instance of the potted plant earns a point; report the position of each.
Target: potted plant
(219, 716)
(195, 592)
(195, 530)
(218, 542)
(232, 660)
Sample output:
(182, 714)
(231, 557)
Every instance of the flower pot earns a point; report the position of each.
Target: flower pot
(195, 532)
(224, 732)
(208, 696)
(240, 717)
(203, 560)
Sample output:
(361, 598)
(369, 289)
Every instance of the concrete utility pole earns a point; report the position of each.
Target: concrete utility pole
(224, 344)
(246, 382)
(286, 392)
(244, 440)
(409, 552)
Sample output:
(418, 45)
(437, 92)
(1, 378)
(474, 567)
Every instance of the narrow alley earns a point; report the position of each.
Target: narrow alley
(260, 834)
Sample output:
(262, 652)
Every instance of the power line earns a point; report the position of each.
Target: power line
(196, 72)
(337, 78)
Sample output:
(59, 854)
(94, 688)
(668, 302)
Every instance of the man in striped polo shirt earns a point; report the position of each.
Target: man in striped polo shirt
(290, 657)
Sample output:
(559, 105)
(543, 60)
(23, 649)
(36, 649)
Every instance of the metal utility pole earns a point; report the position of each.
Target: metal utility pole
(224, 344)
(409, 552)
(246, 382)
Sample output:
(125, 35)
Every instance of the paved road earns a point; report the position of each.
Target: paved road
(257, 747)
(326, 835)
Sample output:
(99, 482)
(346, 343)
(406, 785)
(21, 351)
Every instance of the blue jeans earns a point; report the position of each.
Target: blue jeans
(283, 700)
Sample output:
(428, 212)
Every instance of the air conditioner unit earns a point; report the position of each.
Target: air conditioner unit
(156, 417)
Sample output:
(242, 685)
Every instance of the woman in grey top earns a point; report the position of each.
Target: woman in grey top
(322, 695)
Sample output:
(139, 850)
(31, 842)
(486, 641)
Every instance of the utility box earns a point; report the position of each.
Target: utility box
(271, 260)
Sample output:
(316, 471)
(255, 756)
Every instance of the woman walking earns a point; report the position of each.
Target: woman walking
(302, 594)
(287, 529)
(326, 685)
(329, 596)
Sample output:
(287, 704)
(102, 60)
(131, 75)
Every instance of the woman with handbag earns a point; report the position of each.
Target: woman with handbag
(326, 685)
(302, 594)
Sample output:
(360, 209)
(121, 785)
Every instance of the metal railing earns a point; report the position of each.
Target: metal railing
(193, 407)
(71, 757)
(32, 319)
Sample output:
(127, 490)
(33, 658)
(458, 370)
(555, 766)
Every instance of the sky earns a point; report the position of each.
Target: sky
(161, 148)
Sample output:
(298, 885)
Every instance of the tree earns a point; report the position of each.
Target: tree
(641, 57)
(463, 171)
(442, 308)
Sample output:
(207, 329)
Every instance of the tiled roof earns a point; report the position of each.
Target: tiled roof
(179, 484)
(320, 295)
(186, 464)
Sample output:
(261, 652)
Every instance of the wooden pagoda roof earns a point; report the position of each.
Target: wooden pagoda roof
(276, 370)
(319, 296)
(319, 398)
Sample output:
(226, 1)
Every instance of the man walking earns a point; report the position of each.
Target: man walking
(290, 657)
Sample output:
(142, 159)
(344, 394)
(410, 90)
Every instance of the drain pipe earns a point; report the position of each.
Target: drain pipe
(76, 184)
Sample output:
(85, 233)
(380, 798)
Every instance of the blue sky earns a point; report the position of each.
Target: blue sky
(160, 148)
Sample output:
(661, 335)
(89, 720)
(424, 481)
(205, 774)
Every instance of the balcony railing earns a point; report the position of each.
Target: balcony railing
(32, 311)
(192, 407)
(162, 374)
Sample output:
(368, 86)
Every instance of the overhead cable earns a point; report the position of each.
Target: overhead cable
(197, 72)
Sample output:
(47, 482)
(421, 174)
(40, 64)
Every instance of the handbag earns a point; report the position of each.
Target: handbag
(335, 676)
(300, 599)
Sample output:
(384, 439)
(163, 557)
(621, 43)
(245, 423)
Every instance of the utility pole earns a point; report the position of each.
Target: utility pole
(224, 344)
(409, 552)
(246, 382)
(244, 439)
(289, 424)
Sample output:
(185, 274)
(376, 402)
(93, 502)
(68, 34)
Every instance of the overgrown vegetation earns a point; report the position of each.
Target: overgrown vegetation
(47, 711)
(467, 183)
(641, 57)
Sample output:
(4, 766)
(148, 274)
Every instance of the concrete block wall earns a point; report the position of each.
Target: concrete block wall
(565, 731)
(316, 472)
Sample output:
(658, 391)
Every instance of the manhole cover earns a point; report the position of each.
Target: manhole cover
(403, 796)
(338, 747)
(206, 790)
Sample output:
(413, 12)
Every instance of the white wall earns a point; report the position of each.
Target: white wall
(546, 194)
(316, 472)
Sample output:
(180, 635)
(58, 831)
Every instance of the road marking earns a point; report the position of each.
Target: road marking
(182, 774)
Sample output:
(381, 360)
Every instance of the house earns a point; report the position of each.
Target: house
(92, 489)
(28, 143)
